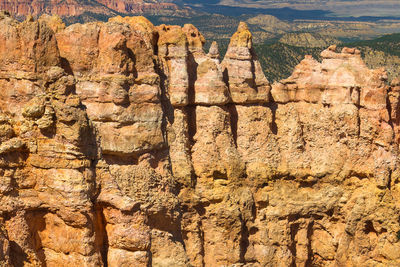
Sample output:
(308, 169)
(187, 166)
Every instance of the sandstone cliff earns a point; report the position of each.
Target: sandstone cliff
(125, 144)
(92, 8)
(59, 7)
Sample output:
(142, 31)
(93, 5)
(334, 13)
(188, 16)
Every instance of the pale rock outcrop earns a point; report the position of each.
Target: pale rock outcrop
(206, 84)
(121, 98)
(214, 139)
(173, 52)
(341, 78)
(242, 70)
(214, 52)
(123, 144)
(179, 142)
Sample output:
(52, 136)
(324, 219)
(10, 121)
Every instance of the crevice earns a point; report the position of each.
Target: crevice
(191, 131)
(101, 238)
(294, 228)
(132, 56)
(167, 108)
(310, 232)
(192, 124)
(273, 106)
(119, 159)
(17, 254)
(192, 76)
(389, 110)
(358, 122)
(66, 66)
(244, 240)
(252, 83)
(369, 227)
(253, 68)
(233, 121)
(202, 242)
(225, 77)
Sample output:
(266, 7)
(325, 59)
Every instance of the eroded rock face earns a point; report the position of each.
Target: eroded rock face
(56, 7)
(99, 7)
(125, 144)
(242, 70)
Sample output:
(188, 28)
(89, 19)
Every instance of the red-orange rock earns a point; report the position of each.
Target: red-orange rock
(4, 249)
(123, 144)
(99, 7)
(34, 43)
(173, 51)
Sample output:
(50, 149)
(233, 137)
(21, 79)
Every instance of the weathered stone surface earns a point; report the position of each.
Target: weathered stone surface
(341, 78)
(214, 139)
(180, 147)
(113, 60)
(34, 46)
(173, 52)
(124, 144)
(242, 70)
(94, 8)
(4, 249)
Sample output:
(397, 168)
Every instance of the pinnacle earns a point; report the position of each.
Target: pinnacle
(214, 50)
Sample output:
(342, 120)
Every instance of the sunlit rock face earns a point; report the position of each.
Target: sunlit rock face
(92, 8)
(125, 144)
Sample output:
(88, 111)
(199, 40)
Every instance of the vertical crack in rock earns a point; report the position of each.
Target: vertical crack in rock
(244, 241)
(101, 234)
(233, 115)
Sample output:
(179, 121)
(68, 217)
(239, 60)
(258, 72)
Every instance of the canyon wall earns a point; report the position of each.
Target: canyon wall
(59, 7)
(99, 8)
(125, 144)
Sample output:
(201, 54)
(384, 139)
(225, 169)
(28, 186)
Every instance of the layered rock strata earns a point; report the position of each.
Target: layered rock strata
(99, 8)
(62, 8)
(125, 144)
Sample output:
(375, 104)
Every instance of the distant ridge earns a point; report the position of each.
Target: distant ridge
(91, 8)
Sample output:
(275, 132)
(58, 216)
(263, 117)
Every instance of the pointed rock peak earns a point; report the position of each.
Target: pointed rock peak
(195, 39)
(246, 79)
(214, 50)
(242, 37)
(242, 27)
(54, 22)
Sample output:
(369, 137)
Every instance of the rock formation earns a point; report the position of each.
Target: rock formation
(125, 144)
(100, 8)
(62, 8)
